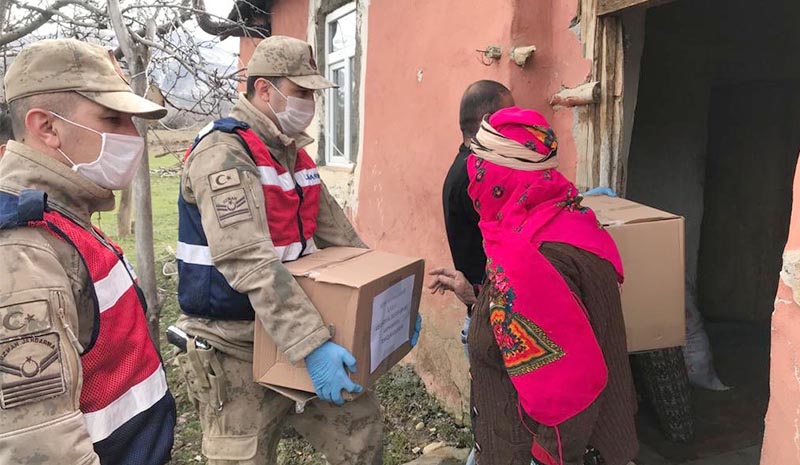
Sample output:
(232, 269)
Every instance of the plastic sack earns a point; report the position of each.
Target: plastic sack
(697, 351)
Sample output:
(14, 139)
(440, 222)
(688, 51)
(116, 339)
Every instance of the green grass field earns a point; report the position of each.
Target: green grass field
(165, 210)
(402, 394)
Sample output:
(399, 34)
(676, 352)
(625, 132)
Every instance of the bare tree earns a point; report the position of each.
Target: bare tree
(176, 49)
(154, 38)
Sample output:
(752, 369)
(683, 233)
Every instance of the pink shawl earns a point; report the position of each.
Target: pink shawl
(541, 327)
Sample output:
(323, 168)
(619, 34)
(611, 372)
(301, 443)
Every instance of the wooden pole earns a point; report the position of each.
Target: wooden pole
(606, 7)
(585, 94)
(125, 213)
(138, 57)
(143, 228)
(143, 204)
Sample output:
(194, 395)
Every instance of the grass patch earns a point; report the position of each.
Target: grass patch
(402, 393)
(165, 209)
(164, 183)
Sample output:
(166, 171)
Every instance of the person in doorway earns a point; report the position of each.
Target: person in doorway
(6, 133)
(80, 379)
(549, 365)
(251, 198)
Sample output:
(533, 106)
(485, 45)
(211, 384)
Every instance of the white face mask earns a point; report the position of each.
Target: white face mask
(297, 116)
(118, 160)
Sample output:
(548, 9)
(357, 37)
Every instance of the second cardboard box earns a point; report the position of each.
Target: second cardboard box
(651, 244)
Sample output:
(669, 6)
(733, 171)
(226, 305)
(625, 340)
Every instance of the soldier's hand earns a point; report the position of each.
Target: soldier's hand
(417, 329)
(326, 367)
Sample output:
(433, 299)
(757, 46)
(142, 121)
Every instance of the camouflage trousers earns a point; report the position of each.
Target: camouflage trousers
(242, 421)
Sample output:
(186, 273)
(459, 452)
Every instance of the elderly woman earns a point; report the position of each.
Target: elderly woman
(549, 366)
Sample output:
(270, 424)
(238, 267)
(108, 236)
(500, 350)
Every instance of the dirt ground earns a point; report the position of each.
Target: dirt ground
(171, 143)
(412, 420)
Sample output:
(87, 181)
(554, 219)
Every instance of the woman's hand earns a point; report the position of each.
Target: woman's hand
(445, 279)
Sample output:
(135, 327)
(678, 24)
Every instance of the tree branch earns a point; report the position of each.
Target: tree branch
(222, 29)
(72, 20)
(44, 16)
(170, 53)
(179, 54)
(5, 8)
(161, 30)
(120, 29)
(226, 22)
(88, 6)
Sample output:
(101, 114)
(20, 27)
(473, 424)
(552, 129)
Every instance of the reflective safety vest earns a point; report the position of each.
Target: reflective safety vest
(128, 409)
(292, 205)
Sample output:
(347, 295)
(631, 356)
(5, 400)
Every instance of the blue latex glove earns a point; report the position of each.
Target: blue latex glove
(600, 191)
(417, 329)
(326, 367)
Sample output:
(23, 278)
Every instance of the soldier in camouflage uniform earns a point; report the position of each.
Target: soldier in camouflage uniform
(231, 272)
(80, 380)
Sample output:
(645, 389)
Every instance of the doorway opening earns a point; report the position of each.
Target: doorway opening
(715, 138)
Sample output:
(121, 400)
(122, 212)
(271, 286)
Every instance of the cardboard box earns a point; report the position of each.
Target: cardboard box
(651, 243)
(369, 299)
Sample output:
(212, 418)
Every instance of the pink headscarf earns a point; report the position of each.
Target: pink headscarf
(548, 346)
(521, 125)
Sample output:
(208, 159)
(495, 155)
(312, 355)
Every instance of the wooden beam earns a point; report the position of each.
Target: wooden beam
(585, 94)
(606, 7)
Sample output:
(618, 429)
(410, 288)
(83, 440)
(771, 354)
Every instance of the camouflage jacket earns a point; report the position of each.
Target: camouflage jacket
(45, 286)
(243, 252)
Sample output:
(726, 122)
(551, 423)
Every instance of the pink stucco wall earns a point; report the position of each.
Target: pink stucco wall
(558, 63)
(782, 436)
(421, 55)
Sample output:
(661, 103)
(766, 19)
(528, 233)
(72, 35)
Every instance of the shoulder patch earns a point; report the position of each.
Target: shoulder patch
(224, 179)
(232, 207)
(24, 318)
(31, 370)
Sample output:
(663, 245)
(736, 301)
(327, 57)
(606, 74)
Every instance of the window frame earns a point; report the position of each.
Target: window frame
(334, 61)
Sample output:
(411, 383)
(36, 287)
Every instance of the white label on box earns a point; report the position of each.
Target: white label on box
(391, 320)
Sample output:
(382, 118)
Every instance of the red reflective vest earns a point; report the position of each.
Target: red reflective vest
(292, 200)
(128, 409)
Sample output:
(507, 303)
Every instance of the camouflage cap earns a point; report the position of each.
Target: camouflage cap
(281, 56)
(64, 65)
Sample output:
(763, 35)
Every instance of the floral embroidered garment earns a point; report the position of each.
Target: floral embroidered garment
(541, 328)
